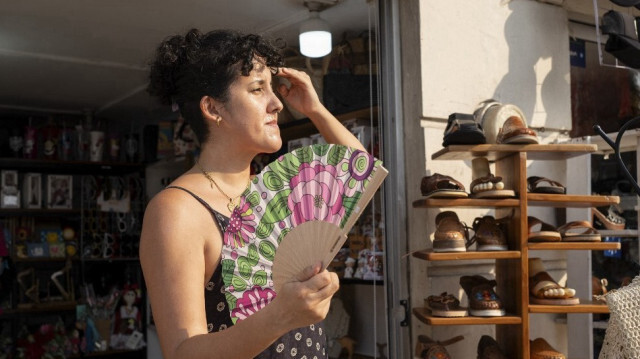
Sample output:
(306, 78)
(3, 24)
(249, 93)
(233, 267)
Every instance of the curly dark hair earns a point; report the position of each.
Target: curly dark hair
(186, 68)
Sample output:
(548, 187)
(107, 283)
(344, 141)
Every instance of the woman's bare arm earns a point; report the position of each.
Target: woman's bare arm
(172, 254)
(303, 97)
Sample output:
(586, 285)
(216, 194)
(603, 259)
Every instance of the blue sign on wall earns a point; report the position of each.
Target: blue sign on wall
(577, 53)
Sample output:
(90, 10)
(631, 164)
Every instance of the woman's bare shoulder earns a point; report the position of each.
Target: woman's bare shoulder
(173, 214)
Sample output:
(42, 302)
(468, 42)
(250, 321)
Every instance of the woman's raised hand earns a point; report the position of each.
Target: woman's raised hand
(300, 94)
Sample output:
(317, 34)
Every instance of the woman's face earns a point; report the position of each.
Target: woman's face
(251, 113)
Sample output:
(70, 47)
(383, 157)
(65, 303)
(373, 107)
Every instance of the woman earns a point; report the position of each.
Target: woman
(222, 84)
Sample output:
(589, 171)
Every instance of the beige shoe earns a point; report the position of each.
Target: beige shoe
(484, 183)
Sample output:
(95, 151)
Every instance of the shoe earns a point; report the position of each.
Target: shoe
(441, 186)
(445, 305)
(579, 231)
(488, 235)
(540, 231)
(612, 221)
(537, 184)
(462, 129)
(488, 348)
(544, 290)
(427, 348)
(540, 349)
(451, 235)
(515, 131)
(599, 288)
(483, 300)
(484, 183)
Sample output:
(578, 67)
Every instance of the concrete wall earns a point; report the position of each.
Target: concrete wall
(515, 52)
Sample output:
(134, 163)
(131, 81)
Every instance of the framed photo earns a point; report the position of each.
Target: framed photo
(32, 190)
(59, 191)
(9, 179)
(9, 193)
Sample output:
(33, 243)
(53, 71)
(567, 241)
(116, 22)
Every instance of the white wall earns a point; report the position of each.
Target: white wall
(515, 52)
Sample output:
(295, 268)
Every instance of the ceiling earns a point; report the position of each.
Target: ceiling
(67, 56)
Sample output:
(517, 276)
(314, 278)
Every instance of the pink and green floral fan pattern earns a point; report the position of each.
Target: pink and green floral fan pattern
(319, 182)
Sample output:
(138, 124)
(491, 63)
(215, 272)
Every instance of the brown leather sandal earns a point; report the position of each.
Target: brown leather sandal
(483, 300)
(428, 348)
(540, 231)
(488, 235)
(442, 186)
(540, 349)
(515, 131)
(537, 184)
(579, 231)
(445, 305)
(451, 235)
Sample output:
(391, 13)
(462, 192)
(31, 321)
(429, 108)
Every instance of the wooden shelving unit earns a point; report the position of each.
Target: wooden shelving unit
(430, 255)
(425, 316)
(466, 202)
(585, 306)
(560, 246)
(512, 266)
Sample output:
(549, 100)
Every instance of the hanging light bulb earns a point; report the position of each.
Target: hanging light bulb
(315, 37)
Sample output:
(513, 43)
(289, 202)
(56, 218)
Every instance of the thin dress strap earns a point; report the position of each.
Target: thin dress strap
(223, 221)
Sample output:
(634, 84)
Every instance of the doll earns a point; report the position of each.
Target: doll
(128, 318)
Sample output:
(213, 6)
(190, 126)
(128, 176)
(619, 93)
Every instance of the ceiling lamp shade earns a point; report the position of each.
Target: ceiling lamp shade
(315, 37)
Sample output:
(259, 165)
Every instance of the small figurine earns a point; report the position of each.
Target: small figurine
(348, 271)
(362, 267)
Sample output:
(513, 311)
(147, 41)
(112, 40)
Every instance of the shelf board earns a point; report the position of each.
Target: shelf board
(38, 212)
(69, 167)
(627, 233)
(425, 316)
(570, 200)
(45, 307)
(585, 306)
(465, 202)
(110, 353)
(430, 255)
(495, 152)
(41, 259)
(592, 246)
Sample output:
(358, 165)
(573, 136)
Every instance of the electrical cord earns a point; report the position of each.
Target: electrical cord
(616, 148)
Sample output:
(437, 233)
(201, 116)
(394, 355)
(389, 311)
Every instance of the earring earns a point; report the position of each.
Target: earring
(218, 121)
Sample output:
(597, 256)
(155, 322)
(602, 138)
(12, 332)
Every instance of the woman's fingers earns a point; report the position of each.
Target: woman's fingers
(309, 272)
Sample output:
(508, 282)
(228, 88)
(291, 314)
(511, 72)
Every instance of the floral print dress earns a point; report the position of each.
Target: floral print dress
(302, 343)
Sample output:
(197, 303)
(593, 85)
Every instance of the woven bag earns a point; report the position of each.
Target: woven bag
(622, 339)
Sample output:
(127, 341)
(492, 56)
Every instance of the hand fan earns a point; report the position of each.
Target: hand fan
(296, 212)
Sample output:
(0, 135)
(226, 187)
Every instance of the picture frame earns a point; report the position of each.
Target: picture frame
(32, 190)
(9, 179)
(9, 192)
(59, 191)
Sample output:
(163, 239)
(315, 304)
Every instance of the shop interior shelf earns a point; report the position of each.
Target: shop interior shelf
(46, 307)
(70, 167)
(425, 316)
(570, 200)
(38, 212)
(495, 152)
(430, 255)
(585, 306)
(593, 246)
(465, 202)
(631, 233)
